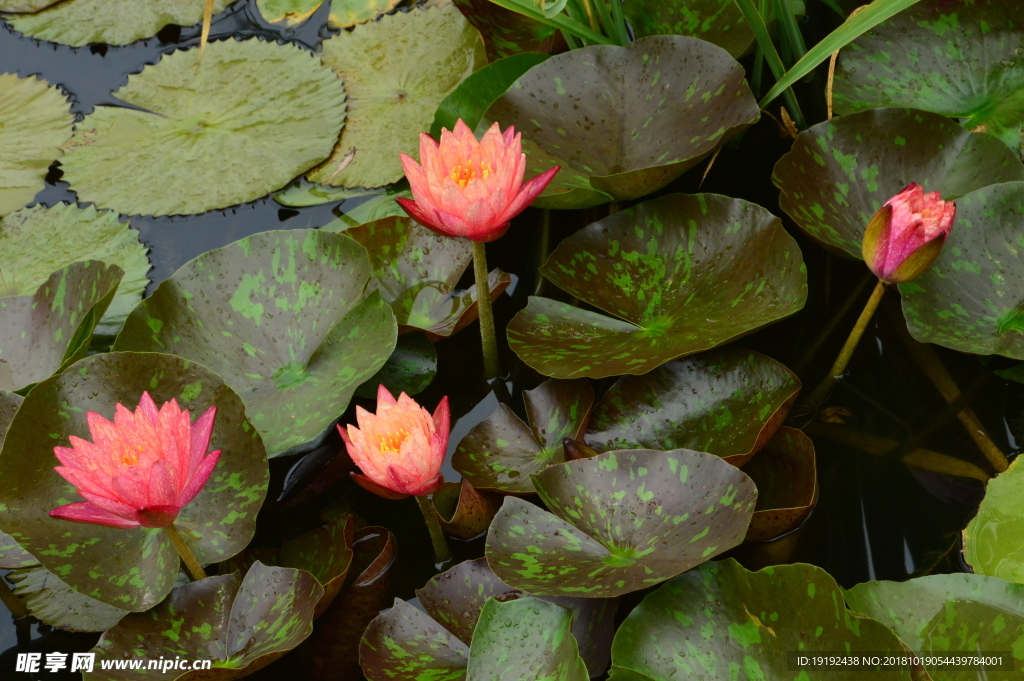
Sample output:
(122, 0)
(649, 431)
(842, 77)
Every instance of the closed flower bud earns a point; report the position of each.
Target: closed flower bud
(906, 235)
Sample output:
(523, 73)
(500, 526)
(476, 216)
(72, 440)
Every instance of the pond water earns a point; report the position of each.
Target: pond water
(875, 518)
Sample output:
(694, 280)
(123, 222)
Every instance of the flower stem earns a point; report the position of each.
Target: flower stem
(483, 302)
(442, 555)
(827, 383)
(194, 568)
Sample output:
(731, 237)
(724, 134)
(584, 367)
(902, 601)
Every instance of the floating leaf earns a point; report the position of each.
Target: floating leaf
(410, 368)
(374, 208)
(786, 476)
(133, 568)
(346, 13)
(716, 21)
(464, 512)
(244, 123)
(397, 70)
(994, 539)
(288, 12)
(683, 273)
(840, 172)
(718, 619)
(11, 553)
(240, 624)
(53, 602)
(301, 193)
(625, 121)
(958, 59)
(727, 402)
(80, 22)
(36, 122)
(620, 522)
(25, 5)
(502, 452)
(416, 271)
(283, 316)
(505, 32)
(972, 297)
(42, 333)
(38, 240)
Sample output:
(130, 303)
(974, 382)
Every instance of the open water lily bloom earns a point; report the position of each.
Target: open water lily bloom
(467, 188)
(140, 470)
(906, 235)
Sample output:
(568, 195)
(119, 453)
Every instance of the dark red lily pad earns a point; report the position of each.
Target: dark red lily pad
(786, 476)
(11, 553)
(411, 367)
(464, 512)
(716, 21)
(53, 602)
(506, 32)
(502, 452)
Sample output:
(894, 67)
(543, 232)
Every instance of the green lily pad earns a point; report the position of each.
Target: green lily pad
(132, 568)
(397, 70)
(972, 297)
(80, 22)
(25, 5)
(37, 122)
(625, 121)
(994, 539)
(727, 402)
(464, 512)
(840, 172)
(300, 193)
(942, 613)
(375, 208)
(346, 13)
(283, 316)
(620, 522)
(786, 476)
(961, 60)
(502, 452)
(11, 553)
(410, 368)
(240, 624)
(716, 21)
(41, 334)
(53, 602)
(712, 622)
(288, 12)
(243, 123)
(38, 240)
(416, 270)
(683, 273)
(505, 32)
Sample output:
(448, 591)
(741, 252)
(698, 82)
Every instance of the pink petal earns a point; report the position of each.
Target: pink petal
(428, 487)
(202, 431)
(510, 135)
(148, 407)
(162, 489)
(198, 479)
(417, 214)
(417, 180)
(453, 225)
(131, 491)
(84, 480)
(113, 506)
(85, 512)
(385, 396)
(442, 422)
(529, 192)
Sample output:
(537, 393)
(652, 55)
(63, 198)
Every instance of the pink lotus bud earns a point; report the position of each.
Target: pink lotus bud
(400, 448)
(463, 187)
(906, 235)
(142, 469)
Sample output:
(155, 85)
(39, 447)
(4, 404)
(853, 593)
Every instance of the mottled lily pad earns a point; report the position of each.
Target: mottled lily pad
(502, 452)
(505, 32)
(38, 240)
(243, 123)
(972, 297)
(133, 568)
(346, 13)
(283, 316)
(397, 70)
(840, 172)
(727, 402)
(11, 553)
(288, 12)
(994, 539)
(625, 121)
(410, 368)
(53, 602)
(240, 624)
(25, 5)
(959, 59)
(683, 273)
(80, 22)
(464, 512)
(786, 476)
(621, 521)
(716, 21)
(712, 622)
(37, 122)
(416, 270)
(42, 333)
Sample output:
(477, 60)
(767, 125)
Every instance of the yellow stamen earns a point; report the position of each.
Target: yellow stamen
(392, 442)
(131, 459)
(465, 172)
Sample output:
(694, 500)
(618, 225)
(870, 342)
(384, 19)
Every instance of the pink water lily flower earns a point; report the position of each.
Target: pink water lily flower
(142, 469)
(400, 448)
(906, 235)
(467, 188)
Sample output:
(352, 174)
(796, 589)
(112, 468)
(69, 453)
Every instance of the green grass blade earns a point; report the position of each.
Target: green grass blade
(771, 55)
(526, 8)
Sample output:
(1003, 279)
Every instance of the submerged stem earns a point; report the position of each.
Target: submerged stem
(194, 568)
(483, 302)
(442, 555)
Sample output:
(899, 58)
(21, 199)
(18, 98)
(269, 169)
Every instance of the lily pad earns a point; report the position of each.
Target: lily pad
(374, 208)
(994, 539)
(245, 122)
(53, 602)
(288, 12)
(397, 70)
(959, 59)
(41, 334)
(505, 32)
(840, 172)
(464, 512)
(346, 13)
(786, 476)
(301, 193)
(972, 297)
(37, 122)
(133, 568)
(25, 5)
(502, 452)
(625, 121)
(712, 622)
(410, 368)
(38, 240)
(716, 21)
(283, 316)
(240, 624)
(11, 553)
(727, 402)
(620, 522)
(416, 271)
(683, 273)
(80, 22)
